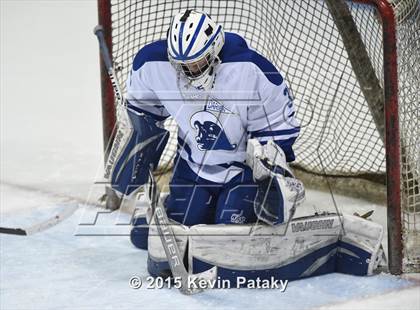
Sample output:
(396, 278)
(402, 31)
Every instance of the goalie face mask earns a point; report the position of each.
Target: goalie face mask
(196, 69)
(194, 41)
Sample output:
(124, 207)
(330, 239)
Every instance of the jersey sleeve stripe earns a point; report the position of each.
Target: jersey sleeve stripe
(277, 138)
(270, 133)
(156, 51)
(233, 164)
(237, 50)
(286, 146)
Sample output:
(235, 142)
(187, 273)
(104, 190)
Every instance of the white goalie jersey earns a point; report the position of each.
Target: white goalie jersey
(249, 99)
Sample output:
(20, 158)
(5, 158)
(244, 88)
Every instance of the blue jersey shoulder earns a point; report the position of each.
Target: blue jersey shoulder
(156, 51)
(235, 49)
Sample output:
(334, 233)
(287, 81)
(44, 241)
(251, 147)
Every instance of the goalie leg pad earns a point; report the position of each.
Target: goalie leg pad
(262, 251)
(140, 230)
(142, 216)
(144, 145)
(157, 263)
(359, 250)
(139, 233)
(306, 247)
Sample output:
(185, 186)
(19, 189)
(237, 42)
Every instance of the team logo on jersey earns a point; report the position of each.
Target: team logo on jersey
(210, 132)
(215, 106)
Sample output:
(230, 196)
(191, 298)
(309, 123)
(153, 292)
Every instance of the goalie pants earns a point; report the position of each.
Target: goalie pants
(194, 200)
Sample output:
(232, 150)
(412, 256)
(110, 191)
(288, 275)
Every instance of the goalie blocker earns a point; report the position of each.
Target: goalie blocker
(137, 147)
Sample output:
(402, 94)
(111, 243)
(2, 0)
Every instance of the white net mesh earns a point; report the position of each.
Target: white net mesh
(339, 136)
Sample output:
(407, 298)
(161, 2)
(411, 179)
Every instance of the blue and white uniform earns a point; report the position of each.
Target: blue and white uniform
(249, 99)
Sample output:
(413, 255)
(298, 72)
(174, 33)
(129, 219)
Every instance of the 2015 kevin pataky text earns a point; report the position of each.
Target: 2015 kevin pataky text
(195, 283)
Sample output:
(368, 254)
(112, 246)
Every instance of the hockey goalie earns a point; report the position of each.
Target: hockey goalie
(232, 195)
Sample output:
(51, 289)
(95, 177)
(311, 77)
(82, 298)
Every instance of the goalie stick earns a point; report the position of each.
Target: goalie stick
(189, 281)
(112, 201)
(72, 204)
(56, 219)
(106, 57)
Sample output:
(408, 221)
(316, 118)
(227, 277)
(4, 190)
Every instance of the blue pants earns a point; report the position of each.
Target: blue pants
(194, 200)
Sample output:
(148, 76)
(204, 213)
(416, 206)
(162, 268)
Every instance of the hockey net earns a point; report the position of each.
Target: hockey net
(339, 137)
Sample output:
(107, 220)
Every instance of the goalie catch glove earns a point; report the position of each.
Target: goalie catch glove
(279, 192)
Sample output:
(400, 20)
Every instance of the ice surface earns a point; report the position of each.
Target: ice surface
(51, 154)
(57, 268)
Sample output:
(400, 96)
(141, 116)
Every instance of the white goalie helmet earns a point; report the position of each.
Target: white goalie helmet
(194, 42)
